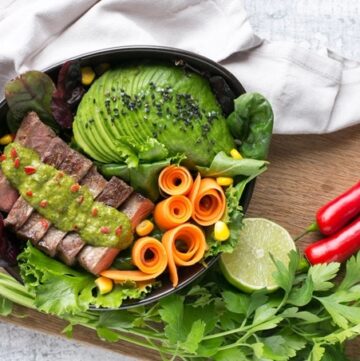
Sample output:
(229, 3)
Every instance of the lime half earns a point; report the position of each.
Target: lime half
(250, 267)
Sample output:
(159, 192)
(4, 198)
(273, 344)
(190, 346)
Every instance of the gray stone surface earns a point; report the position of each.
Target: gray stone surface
(320, 23)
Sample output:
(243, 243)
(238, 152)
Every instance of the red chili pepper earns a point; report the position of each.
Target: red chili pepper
(75, 188)
(337, 213)
(13, 153)
(29, 193)
(2, 157)
(105, 230)
(44, 203)
(44, 223)
(94, 212)
(17, 163)
(118, 231)
(29, 170)
(336, 248)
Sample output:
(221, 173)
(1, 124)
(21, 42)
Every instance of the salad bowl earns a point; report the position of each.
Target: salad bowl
(226, 88)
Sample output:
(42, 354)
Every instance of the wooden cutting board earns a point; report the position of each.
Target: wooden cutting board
(305, 172)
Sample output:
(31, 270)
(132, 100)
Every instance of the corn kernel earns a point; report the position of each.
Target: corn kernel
(224, 181)
(104, 285)
(6, 139)
(235, 154)
(87, 75)
(144, 228)
(221, 231)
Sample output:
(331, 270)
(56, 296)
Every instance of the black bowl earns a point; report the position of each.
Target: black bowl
(194, 62)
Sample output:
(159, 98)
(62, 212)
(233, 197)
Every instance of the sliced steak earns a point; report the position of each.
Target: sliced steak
(137, 208)
(69, 247)
(50, 243)
(76, 165)
(34, 134)
(115, 193)
(54, 155)
(97, 259)
(19, 214)
(95, 182)
(36, 226)
(8, 194)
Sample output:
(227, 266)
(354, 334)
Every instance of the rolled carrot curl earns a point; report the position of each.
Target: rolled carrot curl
(172, 212)
(185, 245)
(175, 180)
(149, 256)
(208, 201)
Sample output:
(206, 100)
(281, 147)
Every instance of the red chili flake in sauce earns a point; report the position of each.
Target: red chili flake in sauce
(94, 212)
(44, 203)
(13, 153)
(29, 193)
(2, 157)
(118, 231)
(17, 163)
(75, 188)
(29, 170)
(105, 230)
(44, 223)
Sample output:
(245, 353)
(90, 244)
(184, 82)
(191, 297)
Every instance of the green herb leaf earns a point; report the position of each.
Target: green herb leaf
(341, 313)
(236, 302)
(68, 330)
(316, 353)
(106, 334)
(208, 348)
(352, 276)
(284, 276)
(293, 312)
(301, 296)
(321, 274)
(234, 354)
(194, 337)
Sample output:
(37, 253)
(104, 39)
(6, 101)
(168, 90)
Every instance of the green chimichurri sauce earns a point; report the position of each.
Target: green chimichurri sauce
(62, 201)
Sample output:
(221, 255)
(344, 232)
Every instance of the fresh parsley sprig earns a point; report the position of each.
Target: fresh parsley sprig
(309, 318)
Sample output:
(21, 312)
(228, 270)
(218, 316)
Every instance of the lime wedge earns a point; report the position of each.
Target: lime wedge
(249, 267)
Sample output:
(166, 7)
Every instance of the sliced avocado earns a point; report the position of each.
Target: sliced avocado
(128, 106)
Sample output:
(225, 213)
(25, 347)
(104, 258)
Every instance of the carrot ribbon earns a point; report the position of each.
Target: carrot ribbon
(185, 245)
(172, 212)
(149, 256)
(208, 200)
(175, 180)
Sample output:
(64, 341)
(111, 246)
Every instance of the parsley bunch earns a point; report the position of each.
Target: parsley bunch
(309, 318)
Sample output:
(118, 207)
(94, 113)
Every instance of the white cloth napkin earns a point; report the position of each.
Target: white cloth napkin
(310, 92)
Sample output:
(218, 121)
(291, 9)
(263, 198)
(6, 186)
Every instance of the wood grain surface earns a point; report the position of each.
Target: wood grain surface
(305, 172)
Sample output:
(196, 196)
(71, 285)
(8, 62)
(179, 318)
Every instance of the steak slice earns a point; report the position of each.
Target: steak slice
(19, 214)
(21, 211)
(76, 165)
(8, 194)
(51, 240)
(36, 225)
(115, 193)
(34, 134)
(97, 259)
